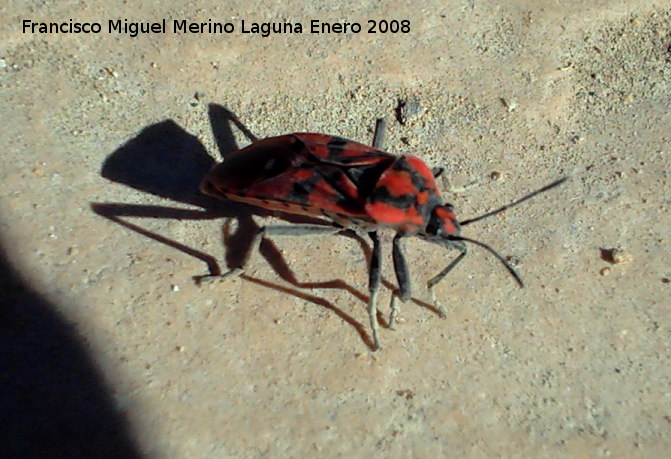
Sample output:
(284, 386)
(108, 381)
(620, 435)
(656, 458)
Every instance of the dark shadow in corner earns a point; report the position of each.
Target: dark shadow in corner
(54, 402)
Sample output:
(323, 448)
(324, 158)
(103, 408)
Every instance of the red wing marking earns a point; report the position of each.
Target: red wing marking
(390, 215)
(420, 167)
(305, 191)
(397, 182)
(338, 151)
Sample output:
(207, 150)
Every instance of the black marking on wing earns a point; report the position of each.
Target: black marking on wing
(404, 201)
(338, 145)
(333, 176)
(365, 177)
(301, 190)
(335, 146)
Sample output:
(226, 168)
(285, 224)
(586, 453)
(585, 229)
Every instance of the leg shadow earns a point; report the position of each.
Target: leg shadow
(164, 160)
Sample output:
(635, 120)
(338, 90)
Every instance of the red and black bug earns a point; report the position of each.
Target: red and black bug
(351, 186)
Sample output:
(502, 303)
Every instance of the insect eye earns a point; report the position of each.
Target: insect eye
(435, 225)
(442, 221)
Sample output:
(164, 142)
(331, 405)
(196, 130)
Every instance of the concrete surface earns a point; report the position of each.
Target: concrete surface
(109, 347)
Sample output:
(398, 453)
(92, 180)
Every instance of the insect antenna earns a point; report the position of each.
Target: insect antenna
(493, 252)
(513, 204)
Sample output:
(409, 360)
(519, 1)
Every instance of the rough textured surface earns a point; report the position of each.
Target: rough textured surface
(109, 346)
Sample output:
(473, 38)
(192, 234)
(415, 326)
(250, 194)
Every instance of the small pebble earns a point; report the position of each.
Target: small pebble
(407, 109)
(513, 260)
(621, 257)
(511, 105)
(604, 271)
(495, 175)
(616, 256)
(408, 394)
(175, 288)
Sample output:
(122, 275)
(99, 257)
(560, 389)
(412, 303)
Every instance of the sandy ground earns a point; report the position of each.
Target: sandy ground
(110, 349)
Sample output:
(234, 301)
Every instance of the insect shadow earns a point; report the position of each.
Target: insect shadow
(166, 161)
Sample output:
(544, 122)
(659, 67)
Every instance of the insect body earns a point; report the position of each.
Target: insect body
(351, 186)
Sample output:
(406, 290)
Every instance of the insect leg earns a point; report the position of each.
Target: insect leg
(402, 276)
(375, 271)
(437, 171)
(440, 172)
(374, 277)
(378, 137)
(456, 189)
(432, 283)
(268, 231)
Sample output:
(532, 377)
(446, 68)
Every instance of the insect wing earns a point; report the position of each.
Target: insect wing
(254, 164)
(306, 174)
